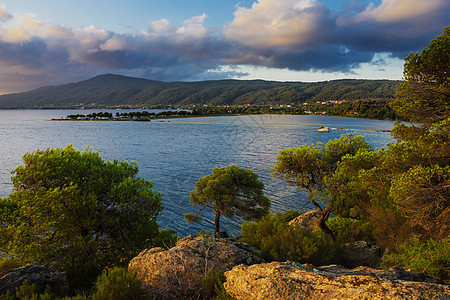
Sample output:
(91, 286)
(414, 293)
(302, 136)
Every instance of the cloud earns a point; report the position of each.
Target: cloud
(305, 35)
(299, 35)
(271, 23)
(404, 10)
(4, 15)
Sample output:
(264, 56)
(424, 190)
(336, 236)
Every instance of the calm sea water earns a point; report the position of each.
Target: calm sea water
(174, 154)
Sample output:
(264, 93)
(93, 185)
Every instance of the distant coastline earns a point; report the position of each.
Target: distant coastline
(168, 116)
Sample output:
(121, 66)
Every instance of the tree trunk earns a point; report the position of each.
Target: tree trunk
(216, 223)
(324, 214)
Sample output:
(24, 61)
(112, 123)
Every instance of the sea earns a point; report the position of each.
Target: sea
(175, 153)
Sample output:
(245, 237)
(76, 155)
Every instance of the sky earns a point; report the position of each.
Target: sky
(50, 42)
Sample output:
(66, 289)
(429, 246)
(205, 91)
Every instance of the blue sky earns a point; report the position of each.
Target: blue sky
(50, 42)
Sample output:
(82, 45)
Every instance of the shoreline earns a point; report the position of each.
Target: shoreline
(170, 119)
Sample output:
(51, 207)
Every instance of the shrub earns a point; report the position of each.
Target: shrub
(431, 257)
(167, 238)
(118, 283)
(27, 291)
(349, 230)
(289, 215)
(7, 264)
(213, 285)
(73, 211)
(279, 241)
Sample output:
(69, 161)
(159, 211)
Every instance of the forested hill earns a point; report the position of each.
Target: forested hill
(115, 90)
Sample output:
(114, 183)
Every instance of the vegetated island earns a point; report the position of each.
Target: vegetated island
(145, 116)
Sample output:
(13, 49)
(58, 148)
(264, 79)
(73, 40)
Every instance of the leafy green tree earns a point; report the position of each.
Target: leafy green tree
(420, 187)
(308, 167)
(424, 95)
(229, 191)
(358, 180)
(422, 195)
(404, 190)
(74, 211)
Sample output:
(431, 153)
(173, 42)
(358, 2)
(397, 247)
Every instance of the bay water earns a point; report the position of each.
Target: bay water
(175, 153)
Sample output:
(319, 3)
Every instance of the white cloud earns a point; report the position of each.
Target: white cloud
(4, 15)
(399, 10)
(17, 29)
(114, 43)
(158, 27)
(193, 29)
(274, 23)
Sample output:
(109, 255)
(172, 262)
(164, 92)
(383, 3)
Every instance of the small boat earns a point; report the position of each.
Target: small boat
(323, 129)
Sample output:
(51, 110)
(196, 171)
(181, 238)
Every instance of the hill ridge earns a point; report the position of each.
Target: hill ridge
(112, 90)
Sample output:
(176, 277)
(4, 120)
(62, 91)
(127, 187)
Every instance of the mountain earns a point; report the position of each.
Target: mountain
(115, 90)
(103, 90)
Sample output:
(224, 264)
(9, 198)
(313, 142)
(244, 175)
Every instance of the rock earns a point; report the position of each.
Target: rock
(293, 281)
(34, 274)
(178, 272)
(308, 220)
(360, 253)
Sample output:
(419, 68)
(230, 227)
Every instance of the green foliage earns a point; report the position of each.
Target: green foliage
(229, 191)
(279, 241)
(118, 283)
(213, 285)
(404, 190)
(309, 166)
(413, 176)
(29, 292)
(76, 212)
(424, 96)
(7, 264)
(431, 257)
(358, 181)
(113, 90)
(289, 215)
(369, 109)
(167, 238)
(349, 230)
(422, 194)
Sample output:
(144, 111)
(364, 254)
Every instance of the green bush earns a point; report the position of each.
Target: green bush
(289, 215)
(118, 283)
(213, 285)
(431, 257)
(349, 230)
(27, 291)
(7, 264)
(167, 238)
(75, 212)
(279, 241)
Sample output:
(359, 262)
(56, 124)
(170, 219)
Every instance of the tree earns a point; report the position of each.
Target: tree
(424, 95)
(308, 166)
(420, 187)
(422, 195)
(74, 211)
(229, 191)
(404, 189)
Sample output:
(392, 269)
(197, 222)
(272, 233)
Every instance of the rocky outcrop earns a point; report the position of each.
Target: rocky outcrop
(360, 253)
(294, 281)
(178, 272)
(34, 274)
(308, 220)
